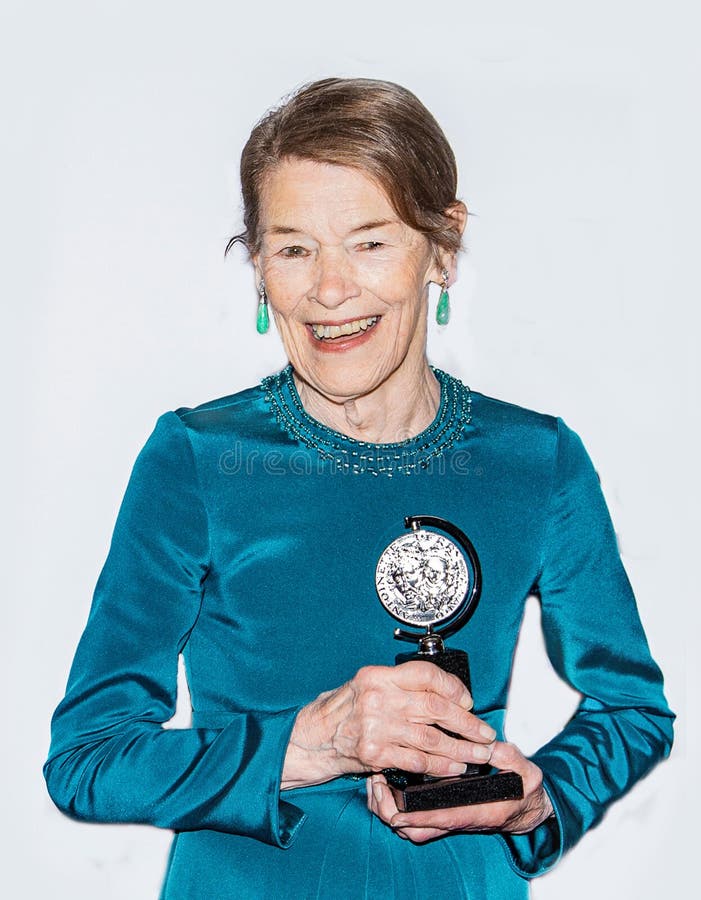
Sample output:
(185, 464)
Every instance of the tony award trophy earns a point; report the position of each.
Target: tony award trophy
(426, 580)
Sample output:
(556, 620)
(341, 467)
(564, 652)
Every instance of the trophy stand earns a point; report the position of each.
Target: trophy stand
(425, 580)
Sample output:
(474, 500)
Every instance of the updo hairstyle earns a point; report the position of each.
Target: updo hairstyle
(377, 127)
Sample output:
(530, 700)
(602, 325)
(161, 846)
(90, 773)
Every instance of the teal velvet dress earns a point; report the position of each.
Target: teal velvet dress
(247, 541)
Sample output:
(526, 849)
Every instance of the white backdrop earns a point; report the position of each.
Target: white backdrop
(578, 147)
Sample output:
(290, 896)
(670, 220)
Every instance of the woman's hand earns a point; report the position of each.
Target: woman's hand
(515, 816)
(384, 718)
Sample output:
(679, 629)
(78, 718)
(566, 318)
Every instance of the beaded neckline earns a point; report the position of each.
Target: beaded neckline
(358, 457)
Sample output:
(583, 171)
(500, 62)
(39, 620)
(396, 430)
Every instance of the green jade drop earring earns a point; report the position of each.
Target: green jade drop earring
(262, 319)
(443, 308)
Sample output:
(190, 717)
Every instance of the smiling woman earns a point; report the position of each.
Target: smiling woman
(348, 284)
(258, 575)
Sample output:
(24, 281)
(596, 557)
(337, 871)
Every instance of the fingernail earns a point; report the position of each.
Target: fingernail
(482, 753)
(377, 792)
(488, 732)
(456, 768)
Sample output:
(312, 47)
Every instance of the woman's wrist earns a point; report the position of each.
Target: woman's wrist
(312, 757)
(548, 809)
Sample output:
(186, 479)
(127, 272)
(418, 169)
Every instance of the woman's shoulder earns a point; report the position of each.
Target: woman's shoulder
(494, 411)
(535, 438)
(226, 412)
(517, 432)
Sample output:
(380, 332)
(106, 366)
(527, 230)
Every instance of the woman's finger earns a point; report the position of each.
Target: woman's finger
(508, 756)
(479, 817)
(431, 709)
(418, 675)
(515, 816)
(435, 746)
(420, 835)
(422, 749)
(382, 802)
(422, 693)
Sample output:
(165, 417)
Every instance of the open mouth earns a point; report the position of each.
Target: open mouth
(347, 329)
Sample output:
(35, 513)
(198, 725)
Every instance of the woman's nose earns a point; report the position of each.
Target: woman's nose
(335, 282)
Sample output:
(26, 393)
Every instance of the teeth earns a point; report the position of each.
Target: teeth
(329, 332)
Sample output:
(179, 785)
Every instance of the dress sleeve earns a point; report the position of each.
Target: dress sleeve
(110, 758)
(595, 641)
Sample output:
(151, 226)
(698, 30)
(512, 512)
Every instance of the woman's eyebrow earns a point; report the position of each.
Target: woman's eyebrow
(281, 229)
(377, 223)
(366, 226)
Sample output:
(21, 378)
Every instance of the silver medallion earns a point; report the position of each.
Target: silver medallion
(422, 578)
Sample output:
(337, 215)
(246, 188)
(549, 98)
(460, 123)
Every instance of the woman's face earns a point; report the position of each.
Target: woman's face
(346, 279)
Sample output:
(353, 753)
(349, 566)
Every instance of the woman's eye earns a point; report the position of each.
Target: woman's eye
(371, 245)
(292, 252)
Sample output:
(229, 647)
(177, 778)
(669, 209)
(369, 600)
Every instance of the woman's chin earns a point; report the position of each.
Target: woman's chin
(340, 382)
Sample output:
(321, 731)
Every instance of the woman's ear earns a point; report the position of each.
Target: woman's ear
(447, 259)
(257, 271)
(458, 213)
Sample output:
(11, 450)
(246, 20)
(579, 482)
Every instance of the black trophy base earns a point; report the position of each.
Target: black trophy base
(479, 784)
(415, 793)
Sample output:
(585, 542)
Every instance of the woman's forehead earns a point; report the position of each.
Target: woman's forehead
(306, 183)
(298, 194)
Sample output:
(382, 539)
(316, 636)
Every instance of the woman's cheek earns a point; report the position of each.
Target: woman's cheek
(286, 292)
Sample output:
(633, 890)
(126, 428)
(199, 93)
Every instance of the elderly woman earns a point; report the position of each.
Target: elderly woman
(248, 540)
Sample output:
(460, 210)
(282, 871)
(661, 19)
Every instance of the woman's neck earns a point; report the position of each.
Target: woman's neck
(395, 411)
